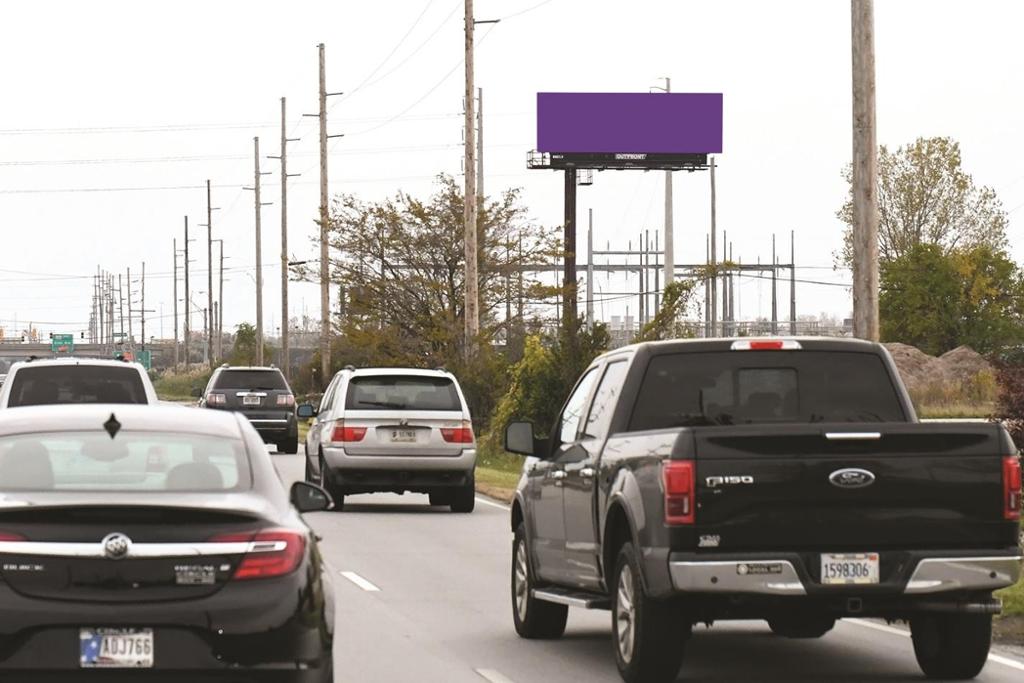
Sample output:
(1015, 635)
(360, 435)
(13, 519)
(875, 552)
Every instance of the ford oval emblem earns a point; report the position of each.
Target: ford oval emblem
(851, 478)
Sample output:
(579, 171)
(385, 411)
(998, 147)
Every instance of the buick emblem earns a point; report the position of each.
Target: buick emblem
(116, 545)
(851, 478)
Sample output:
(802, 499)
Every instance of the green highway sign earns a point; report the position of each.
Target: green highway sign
(62, 343)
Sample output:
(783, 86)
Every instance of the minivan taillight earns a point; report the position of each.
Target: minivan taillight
(679, 479)
(343, 433)
(1011, 487)
(463, 434)
(271, 553)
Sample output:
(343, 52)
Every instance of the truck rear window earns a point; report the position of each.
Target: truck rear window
(47, 385)
(757, 387)
(402, 392)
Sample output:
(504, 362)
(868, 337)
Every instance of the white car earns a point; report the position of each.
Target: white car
(47, 381)
(393, 429)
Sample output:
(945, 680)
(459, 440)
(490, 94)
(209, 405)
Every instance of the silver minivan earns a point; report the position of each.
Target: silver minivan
(393, 430)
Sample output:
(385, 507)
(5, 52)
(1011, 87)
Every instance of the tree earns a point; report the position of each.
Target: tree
(938, 301)
(243, 352)
(925, 197)
(666, 322)
(401, 262)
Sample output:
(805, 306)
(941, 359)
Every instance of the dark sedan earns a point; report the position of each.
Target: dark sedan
(155, 543)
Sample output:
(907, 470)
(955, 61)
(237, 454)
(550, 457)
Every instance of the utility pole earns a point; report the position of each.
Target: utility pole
(209, 273)
(142, 312)
(188, 304)
(131, 336)
(714, 258)
(480, 152)
(259, 254)
(590, 269)
(177, 359)
(472, 312)
(865, 173)
(325, 280)
(775, 290)
(670, 254)
(285, 348)
(220, 307)
(792, 282)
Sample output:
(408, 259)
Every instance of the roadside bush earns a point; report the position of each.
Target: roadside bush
(172, 385)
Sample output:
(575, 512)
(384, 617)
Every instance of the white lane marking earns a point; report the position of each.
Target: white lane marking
(998, 659)
(360, 581)
(493, 505)
(493, 676)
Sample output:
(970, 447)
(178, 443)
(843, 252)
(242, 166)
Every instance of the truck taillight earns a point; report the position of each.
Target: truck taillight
(462, 434)
(271, 553)
(344, 433)
(679, 478)
(1011, 487)
(766, 345)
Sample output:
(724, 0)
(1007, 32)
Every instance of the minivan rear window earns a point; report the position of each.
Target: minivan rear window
(48, 385)
(402, 392)
(761, 387)
(269, 380)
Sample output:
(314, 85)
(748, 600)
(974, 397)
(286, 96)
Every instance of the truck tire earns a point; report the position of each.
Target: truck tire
(463, 499)
(324, 481)
(801, 626)
(649, 635)
(951, 646)
(534, 619)
(440, 498)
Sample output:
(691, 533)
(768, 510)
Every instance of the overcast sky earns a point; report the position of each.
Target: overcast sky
(144, 95)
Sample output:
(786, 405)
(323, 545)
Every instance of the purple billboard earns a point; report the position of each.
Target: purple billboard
(624, 123)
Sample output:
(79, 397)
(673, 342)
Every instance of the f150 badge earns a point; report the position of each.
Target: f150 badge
(730, 480)
(851, 478)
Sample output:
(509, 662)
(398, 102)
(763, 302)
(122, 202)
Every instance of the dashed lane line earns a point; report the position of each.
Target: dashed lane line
(360, 581)
(485, 501)
(493, 676)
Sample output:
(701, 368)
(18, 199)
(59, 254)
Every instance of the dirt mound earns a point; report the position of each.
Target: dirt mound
(921, 371)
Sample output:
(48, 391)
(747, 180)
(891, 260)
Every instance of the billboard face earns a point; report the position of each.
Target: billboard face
(623, 123)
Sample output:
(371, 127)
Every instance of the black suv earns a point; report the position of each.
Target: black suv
(263, 396)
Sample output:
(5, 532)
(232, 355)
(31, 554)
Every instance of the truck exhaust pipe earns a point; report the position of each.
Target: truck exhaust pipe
(993, 606)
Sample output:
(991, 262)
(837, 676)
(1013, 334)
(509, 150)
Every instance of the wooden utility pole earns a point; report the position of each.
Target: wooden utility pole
(472, 311)
(481, 198)
(188, 304)
(259, 253)
(325, 279)
(285, 344)
(209, 275)
(177, 355)
(865, 173)
(714, 258)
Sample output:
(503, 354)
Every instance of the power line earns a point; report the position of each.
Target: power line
(528, 9)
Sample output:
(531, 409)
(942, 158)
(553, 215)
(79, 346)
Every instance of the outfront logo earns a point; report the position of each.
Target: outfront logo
(851, 478)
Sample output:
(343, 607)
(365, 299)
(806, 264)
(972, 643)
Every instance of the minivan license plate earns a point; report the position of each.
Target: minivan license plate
(116, 648)
(403, 436)
(849, 569)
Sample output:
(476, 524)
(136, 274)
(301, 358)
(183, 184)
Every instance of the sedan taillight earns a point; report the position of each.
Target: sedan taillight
(213, 399)
(343, 433)
(679, 478)
(286, 400)
(1011, 487)
(463, 434)
(271, 553)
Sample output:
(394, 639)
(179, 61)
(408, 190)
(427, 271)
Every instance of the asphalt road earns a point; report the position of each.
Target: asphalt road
(423, 595)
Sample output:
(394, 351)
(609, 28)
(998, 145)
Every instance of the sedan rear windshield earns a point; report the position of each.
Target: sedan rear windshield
(758, 387)
(47, 385)
(132, 461)
(402, 392)
(267, 380)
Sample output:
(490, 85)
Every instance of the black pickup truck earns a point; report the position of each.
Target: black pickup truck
(779, 479)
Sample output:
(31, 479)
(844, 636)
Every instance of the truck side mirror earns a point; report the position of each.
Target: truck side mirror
(519, 438)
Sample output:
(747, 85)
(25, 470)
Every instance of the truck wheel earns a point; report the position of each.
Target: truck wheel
(464, 498)
(440, 498)
(534, 619)
(951, 646)
(801, 627)
(324, 481)
(649, 635)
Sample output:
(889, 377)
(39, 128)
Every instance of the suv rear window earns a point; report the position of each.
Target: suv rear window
(270, 380)
(47, 385)
(757, 387)
(402, 392)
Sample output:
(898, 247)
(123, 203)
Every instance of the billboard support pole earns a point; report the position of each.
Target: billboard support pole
(569, 247)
